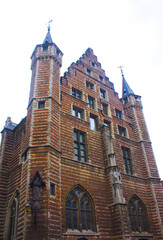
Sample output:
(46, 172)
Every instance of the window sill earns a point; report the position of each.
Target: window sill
(141, 234)
(78, 233)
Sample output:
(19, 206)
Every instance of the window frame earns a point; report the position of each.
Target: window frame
(101, 79)
(138, 216)
(102, 94)
(118, 113)
(127, 160)
(88, 72)
(52, 189)
(105, 112)
(75, 93)
(91, 105)
(41, 104)
(93, 64)
(89, 85)
(11, 224)
(76, 211)
(80, 146)
(95, 118)
(76, 111)
(122, 131)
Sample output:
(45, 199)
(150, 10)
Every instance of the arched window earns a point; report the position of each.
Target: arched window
(79, 210)
(138, 215)
(12, 217)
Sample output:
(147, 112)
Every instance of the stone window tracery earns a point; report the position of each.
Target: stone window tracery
(138, 215)
(79, 210)
(13, 217)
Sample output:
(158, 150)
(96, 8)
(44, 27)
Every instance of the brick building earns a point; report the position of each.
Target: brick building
(80, 166)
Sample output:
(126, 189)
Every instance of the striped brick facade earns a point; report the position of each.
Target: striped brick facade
(43, 143)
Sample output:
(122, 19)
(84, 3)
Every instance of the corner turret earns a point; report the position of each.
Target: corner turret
(128, 94)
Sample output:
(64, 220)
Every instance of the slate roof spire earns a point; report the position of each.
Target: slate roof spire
(126, 90)
(48, 38)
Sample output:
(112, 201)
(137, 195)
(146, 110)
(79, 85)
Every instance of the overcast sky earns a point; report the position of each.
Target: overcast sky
(121, 32)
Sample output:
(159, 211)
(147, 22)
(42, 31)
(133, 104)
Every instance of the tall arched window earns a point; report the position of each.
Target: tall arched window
(138, 215)
(12, 217)
(79, 210)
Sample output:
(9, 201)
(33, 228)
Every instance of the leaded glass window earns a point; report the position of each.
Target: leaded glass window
(13, 217)
(138, 215)
(79, 210)
(79, 146)
(127, 160)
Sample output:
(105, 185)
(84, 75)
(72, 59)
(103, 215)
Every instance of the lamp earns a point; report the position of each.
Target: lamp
(27, 207)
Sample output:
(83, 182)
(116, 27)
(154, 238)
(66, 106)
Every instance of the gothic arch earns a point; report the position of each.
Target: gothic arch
(80, 211)
(138, 215)
(12, 216)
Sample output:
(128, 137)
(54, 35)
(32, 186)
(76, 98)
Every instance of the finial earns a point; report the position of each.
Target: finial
(8, 121)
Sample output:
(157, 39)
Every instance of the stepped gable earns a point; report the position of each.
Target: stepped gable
(89, 61)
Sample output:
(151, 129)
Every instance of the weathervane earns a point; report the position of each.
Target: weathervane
(49, 24)
(121, 69)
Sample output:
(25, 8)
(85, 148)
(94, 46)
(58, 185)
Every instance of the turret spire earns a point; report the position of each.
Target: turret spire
(126, 90)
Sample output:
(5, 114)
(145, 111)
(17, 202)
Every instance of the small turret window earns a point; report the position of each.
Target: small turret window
(57, 51)
(41, 104)
(52, 189)
(45, 47)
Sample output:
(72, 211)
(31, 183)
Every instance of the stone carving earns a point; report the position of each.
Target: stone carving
(116, 176)
(37, 187)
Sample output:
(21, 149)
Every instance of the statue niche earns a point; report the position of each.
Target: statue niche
(37, 188)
